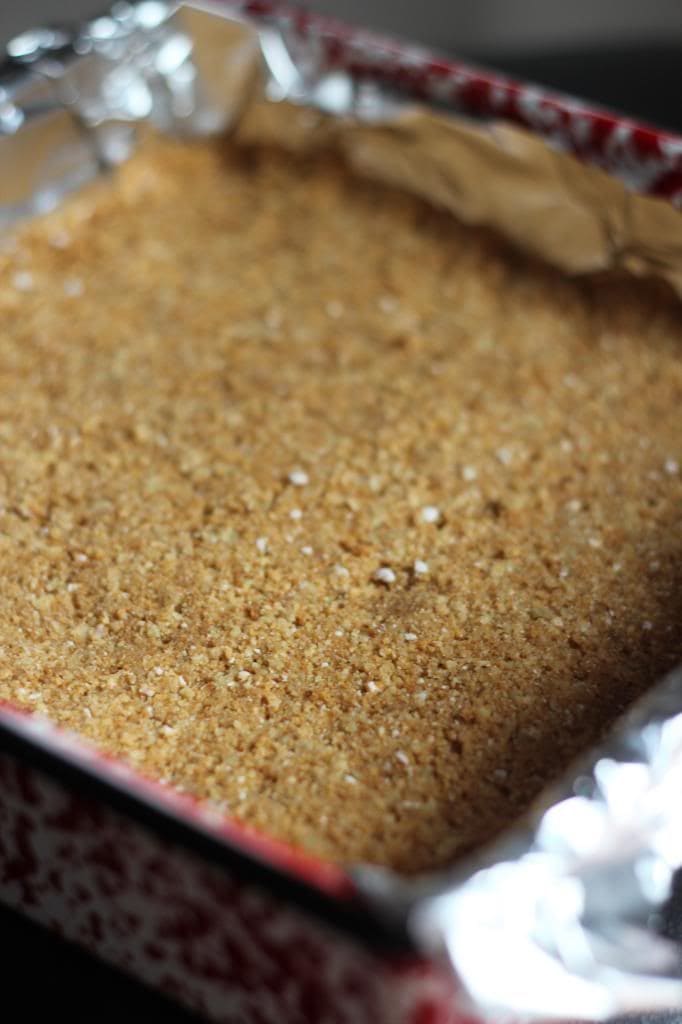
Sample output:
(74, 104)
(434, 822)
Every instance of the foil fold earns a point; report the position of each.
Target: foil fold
(493, 173)
(563, 917)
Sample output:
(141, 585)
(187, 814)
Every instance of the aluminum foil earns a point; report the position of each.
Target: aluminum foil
(75, 104)
(565, 917)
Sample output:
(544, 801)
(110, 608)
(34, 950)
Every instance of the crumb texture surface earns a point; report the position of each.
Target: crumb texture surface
(324, 507)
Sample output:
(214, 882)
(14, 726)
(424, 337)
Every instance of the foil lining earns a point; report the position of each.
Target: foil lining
(565, 916)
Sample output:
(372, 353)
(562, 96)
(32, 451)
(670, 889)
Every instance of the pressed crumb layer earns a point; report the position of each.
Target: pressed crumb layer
(320, 505)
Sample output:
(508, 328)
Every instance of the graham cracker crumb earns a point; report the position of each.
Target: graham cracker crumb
(299, 645)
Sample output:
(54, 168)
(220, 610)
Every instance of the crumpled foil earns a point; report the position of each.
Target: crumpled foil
(73, 105)
(565, 917)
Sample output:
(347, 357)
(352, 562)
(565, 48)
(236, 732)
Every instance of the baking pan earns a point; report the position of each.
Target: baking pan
(563, 917)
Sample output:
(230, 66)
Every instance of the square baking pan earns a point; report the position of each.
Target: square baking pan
(567, 915)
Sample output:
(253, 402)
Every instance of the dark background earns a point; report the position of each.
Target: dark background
(624, 53)
(467, 26)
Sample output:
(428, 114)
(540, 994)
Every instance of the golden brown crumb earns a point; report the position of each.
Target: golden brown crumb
(320, 505)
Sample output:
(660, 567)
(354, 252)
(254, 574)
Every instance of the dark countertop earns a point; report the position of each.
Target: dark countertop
(46, 979)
